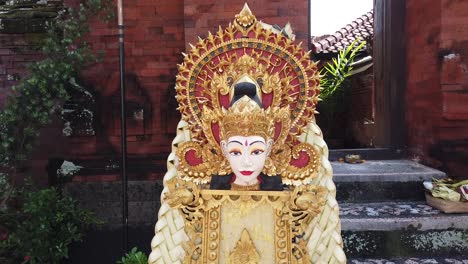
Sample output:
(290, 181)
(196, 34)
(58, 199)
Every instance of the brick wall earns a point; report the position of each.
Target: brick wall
(154, 40)
(16, 51)
(437, 83)
(204, 16)
(156, 33)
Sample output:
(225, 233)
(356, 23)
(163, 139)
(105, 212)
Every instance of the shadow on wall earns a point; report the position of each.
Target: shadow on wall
(169, 112)
(138, 110)
(453, 155)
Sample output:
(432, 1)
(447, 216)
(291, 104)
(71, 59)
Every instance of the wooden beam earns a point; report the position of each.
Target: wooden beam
(389, 73)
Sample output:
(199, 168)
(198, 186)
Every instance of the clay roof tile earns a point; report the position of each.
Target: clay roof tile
(361, 27)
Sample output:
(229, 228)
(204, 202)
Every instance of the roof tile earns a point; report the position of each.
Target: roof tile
(362, 27)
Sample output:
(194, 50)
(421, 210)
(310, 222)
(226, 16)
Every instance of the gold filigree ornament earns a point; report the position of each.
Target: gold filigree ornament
(202, 212)
(245, 19)
(245, 251)
(305, 203)
(185, 196)
(287, 85)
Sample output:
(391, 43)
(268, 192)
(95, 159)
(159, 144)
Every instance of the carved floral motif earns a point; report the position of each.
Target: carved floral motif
(245, 251)
(201, 210)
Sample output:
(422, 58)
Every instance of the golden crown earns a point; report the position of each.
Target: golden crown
(246, 118)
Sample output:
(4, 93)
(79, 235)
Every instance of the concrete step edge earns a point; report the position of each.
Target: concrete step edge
(384, 171)
(391, 216)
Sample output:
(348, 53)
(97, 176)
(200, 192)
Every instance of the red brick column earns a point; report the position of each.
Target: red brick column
(423, 97)
(437, 83)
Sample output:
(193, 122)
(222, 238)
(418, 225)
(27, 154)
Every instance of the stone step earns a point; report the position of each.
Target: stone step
(366, 153)
(373, 180)
(446, 260)
(381, 180)
(398, 229)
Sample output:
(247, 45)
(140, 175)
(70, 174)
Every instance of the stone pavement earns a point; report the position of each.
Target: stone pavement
(452, 260)
(391, 215)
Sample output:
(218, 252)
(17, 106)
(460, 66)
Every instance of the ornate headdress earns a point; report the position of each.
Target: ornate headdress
(246, 118)
(286, 87)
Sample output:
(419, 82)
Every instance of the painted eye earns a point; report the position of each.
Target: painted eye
(235, 153)
(257, 151)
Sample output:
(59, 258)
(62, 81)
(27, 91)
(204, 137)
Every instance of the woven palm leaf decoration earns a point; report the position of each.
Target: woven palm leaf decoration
(285, 78)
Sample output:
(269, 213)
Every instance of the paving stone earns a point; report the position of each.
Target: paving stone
(392, 229)
(388, 216)
(112, 191)
(401, 243)
(452, 260)
(366, 154)
(383, 214)
(104, 199)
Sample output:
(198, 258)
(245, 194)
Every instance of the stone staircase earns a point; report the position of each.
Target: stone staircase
(385, 218)
(384, 215)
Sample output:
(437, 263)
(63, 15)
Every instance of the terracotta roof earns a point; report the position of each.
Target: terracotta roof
(362, 27)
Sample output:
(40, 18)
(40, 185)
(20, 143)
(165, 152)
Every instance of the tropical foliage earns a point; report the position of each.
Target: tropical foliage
(335, 82)
(335, 74)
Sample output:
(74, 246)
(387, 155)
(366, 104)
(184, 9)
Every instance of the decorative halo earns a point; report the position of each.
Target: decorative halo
(285, 78)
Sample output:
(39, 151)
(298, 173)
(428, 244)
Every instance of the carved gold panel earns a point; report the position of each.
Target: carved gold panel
(250, 226)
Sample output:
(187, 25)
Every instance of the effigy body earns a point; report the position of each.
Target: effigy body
(248, 178)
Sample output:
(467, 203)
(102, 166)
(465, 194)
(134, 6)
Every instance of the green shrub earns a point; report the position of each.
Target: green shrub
(37, 226)
(134, 257)
(40, 226)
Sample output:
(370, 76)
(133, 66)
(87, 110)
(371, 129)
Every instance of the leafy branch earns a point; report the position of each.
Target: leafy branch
(336, 73)
(37, 226)
(42, 92)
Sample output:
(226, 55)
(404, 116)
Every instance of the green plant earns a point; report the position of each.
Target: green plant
(37, 226)
(38, 96)
(40, 226)
(42, 92)
(334, 83)
(134, 257)
(336, 73)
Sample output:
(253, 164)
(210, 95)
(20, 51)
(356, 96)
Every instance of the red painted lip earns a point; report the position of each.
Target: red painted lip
(246, 173)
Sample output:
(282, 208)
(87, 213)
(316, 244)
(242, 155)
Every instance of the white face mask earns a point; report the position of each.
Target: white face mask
(247, 156)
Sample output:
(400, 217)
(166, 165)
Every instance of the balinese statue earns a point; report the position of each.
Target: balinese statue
(248, 178)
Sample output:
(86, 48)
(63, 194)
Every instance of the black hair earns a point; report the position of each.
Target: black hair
(246, 88)
(267, 183)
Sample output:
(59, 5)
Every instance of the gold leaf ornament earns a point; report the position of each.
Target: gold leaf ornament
(180, 193)
(245, 19)
(244, 251)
